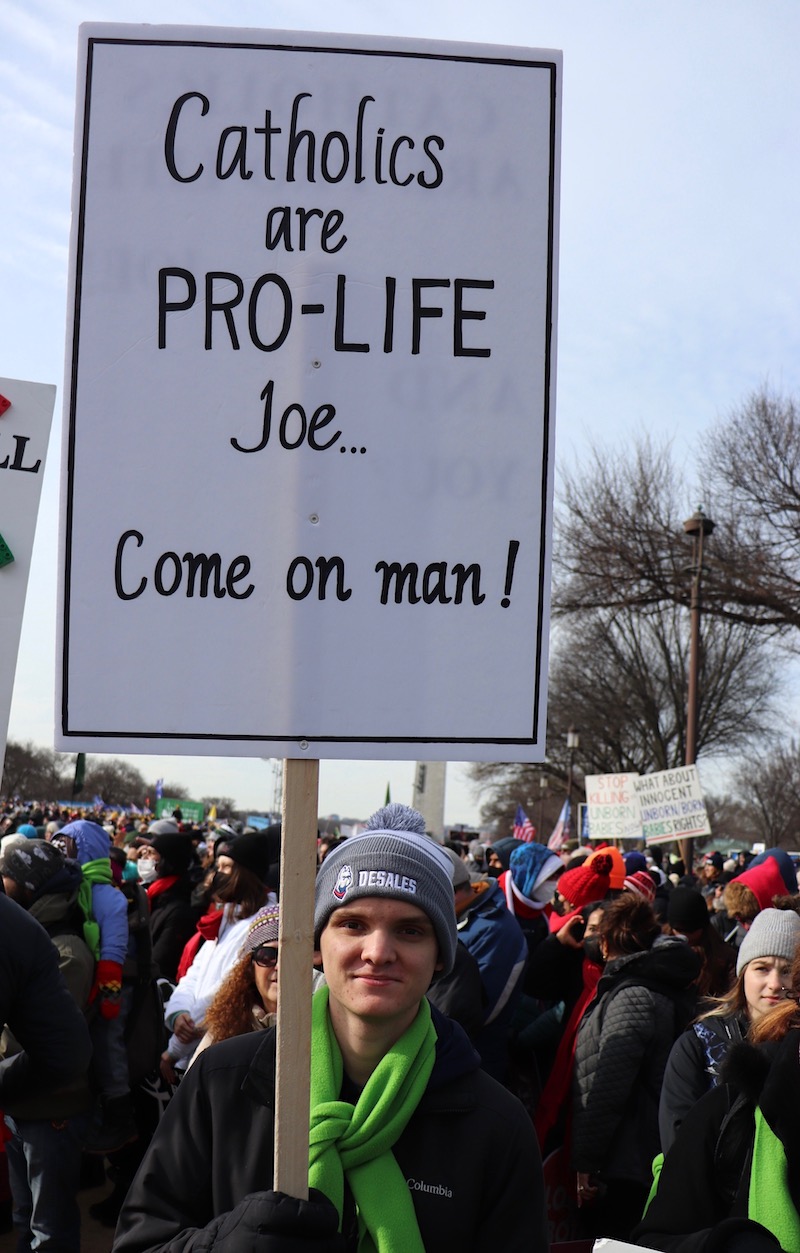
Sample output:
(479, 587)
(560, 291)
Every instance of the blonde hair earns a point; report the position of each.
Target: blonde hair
(733, 1002)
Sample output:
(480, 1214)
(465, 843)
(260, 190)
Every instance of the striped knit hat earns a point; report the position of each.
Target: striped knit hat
(263, 929)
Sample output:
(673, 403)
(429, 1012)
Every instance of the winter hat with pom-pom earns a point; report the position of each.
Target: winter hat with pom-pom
(393, 858)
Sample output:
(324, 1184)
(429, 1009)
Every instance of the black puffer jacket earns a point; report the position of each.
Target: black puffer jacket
(701, 1204)
(643, 1003)
(468, 1154)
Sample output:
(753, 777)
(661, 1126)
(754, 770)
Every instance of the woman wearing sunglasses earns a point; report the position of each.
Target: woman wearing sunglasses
(247, 999)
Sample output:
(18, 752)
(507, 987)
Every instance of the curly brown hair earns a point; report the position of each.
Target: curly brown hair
(231, 1011)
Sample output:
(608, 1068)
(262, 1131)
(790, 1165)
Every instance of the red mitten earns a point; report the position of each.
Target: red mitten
(108, 988)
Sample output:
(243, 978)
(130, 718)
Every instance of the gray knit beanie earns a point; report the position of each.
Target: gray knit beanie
(393, 858)
(774, 933)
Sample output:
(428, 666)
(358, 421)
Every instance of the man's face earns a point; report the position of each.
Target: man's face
(379, 957)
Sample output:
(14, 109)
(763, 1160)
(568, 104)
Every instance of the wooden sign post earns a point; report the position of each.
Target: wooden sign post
(296, 945)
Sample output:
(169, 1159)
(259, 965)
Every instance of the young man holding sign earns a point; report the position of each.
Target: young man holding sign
(412, 1146)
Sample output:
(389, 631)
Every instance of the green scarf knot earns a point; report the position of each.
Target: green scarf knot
(357, 1140)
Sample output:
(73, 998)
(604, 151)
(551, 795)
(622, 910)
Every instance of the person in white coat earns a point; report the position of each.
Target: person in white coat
(239, 891)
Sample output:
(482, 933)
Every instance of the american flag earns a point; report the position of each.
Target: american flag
(523, 827)
(561, 829)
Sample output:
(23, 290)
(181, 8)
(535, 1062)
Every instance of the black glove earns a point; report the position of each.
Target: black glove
(272, 1222)
(741, 1235)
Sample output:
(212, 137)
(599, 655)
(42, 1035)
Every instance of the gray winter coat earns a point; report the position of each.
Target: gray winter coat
(643, 1003)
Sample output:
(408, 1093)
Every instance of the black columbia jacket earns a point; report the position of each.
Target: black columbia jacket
(469, 1154)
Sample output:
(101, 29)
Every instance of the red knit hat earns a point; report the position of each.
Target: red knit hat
(765, 881)
(586, 883)
(642, 884)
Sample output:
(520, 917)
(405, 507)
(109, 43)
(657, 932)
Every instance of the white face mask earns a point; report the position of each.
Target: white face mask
(543, 892)
(147, 870)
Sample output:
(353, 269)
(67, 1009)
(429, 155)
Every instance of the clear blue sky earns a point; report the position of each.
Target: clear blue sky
(679, 269)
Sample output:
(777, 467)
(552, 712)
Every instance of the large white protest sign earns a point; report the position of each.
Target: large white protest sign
(613, 804)
(26, 411)
(309, 417)
(672, 805)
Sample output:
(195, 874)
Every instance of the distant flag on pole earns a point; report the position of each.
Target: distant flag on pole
(80, 774)
(212, 814)
(523, 827)
(388, 800)
(159, 789)
(561, 830)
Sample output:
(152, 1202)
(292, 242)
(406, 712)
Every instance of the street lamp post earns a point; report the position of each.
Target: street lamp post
(573, 742)
(698, 527)
(543, 784)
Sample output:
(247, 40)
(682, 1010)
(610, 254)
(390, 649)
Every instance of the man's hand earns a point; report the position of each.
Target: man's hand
(272, 1222)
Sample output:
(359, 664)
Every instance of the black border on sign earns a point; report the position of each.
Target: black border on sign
(212, 737)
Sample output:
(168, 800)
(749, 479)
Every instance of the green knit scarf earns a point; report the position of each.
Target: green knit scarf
(769, 1201)
(356, 1140)
(98, 871)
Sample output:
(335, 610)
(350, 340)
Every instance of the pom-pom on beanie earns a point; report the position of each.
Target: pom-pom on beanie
(618, 871)
(586, 883)
(395, 859)
(774, 933)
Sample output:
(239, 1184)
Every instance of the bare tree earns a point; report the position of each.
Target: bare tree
(34, 773)
(621, 541)
(115, 781)
(226, 805)
(621, 676)
(768, 790)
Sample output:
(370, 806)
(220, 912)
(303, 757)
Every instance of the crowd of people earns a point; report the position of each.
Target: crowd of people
(487, 1019)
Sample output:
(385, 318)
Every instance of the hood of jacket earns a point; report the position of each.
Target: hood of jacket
(670, 967)
(91, 841)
